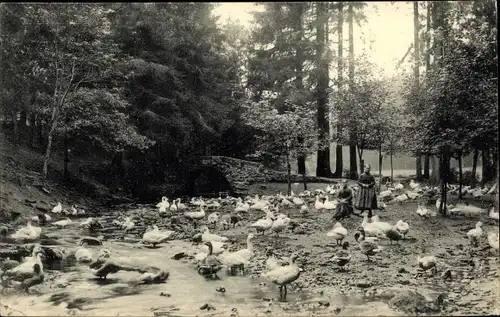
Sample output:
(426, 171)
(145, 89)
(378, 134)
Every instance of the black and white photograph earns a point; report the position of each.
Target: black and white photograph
(245, 159)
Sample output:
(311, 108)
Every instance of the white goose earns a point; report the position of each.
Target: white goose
(264, 224)
(195, 215)
(163, 205)
(247, 253)
(318, 205)
(25, 269)
(83, 255)
(28, 233)
(402, 227)
(330, 204)
(210, 237)
(284, 275)
(493, 240)
(63, 223)
(242, 207)
(217, 247)
(155, 236)
(180, 205)
(476, 233)
(280, 223)
(297, 201)
(338, 233)
(173, 206)
(57, 209)
(128, 224)
(45, 217)
(494, 215)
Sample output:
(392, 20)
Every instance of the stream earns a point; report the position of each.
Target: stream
(73, 289)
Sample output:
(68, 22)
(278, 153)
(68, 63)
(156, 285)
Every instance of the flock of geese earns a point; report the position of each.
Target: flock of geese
(213, 255)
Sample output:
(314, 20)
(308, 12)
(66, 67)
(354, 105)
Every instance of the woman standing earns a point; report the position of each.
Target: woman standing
(366, 198)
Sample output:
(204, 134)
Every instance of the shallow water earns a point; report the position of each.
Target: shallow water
(185, 291)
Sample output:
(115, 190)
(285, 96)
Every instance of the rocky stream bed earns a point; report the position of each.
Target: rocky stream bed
(390, 285)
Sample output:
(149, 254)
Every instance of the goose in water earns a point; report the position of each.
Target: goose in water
(25, 270)
(57, 209)
(284, 275)
(28, 233)
(211, 264)
(83, 255)
(155, 236)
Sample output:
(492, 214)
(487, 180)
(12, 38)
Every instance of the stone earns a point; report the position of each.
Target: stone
(179, 256)
(404, 282)
(362, 283)
(323, 303)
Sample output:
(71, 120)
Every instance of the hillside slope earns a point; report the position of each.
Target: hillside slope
(23, 191)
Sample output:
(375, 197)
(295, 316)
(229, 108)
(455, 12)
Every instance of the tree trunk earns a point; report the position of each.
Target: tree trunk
(361, 161)
(426, 166)
(117, 168)
(427, 70)
(353, 166)
(486, 164)
(299, 61)
(48, 150)
(50, 136)
(380, 168)
(494, 165)
(460, 175)
(418, 165)
(32, 130)
(66, 157)
(444, 175)
(16, 127)
(339, 156)
(473, 179)
(304, 181)
(288, 174)
(416, 74)
(40, 134)
(392, 169)
(435, 170)
(323, 157)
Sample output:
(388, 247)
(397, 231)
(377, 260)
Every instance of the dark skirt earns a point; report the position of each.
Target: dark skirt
(366, 199)
(342, 210)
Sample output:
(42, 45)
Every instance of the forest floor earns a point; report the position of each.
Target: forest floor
(365, 288)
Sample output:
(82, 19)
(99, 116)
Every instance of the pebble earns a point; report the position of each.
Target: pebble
(207, 307)
(363, 284)
(323, 303)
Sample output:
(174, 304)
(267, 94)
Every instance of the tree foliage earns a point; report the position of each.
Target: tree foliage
(456, 107)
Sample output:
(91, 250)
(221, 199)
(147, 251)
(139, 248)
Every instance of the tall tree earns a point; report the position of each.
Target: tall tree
(299, 9)
(428, 4)
(339, 159)
(323, 157)
(416, 73)
(353, 166)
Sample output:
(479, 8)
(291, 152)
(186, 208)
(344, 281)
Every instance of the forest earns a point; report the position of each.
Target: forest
(107, 108)
(124, 93)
